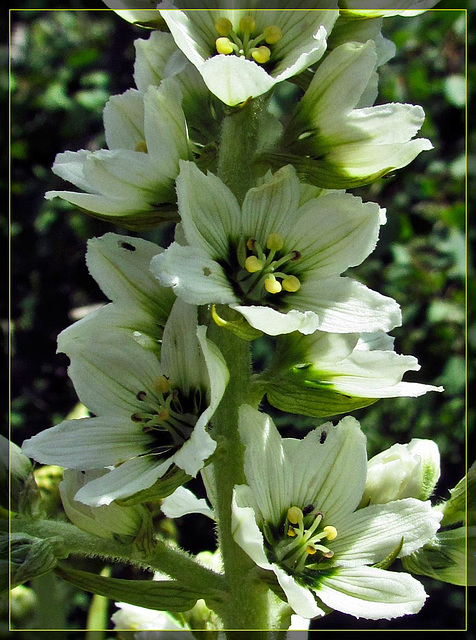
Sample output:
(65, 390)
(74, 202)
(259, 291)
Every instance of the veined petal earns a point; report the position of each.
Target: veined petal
(267, 208)
(275, 323)
(193, 33)
(183, 502)
(347, 306)
(88, 443)
(120, 265)
(334, 232)
(152, 58)
(123, 481)
(366, 592)
(193, 275)
(370, 534)
(210, 212)
(234, 80)
(123, 118)
(69, 165)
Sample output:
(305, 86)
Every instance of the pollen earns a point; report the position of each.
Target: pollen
(294, 515)
(275, 242)
(331, 532)
(272, 285)
(291, 533)
(162, 385)
(223, 26)
(247, 24)
(291, 284)
(252, 264)
(261, 54)
(223, 45)
(272, 34)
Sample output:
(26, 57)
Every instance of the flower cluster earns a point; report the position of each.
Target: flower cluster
(263, 241)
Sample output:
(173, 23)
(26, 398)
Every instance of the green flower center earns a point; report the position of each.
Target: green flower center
(263, 270)
(244, 42)
(299, 544)
(168, 415)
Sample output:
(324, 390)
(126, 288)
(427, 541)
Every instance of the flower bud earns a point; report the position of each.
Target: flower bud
(28, 557)
(402, 471)
(21, 476)
(105, 521)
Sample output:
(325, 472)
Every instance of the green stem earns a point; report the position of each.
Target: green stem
(165, 558)
(248, 602)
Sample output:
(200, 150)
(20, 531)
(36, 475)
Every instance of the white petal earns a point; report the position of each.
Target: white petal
(210, 212)
(183, 502)
(152, 56)
(123, 118)
(234, 80)
(123, 481)
(88, 443)
(70, 166)
(366, 592)
(191, 33)
(347, 306)
(275, 323)
(120, 265)
(369, 535)
(193, 275)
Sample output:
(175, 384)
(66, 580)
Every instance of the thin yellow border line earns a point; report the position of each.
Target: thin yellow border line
(45, 10)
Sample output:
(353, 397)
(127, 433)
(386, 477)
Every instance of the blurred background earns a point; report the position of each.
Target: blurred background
(64, 66)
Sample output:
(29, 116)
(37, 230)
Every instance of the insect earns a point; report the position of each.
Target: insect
(323, 437)
(127, 246)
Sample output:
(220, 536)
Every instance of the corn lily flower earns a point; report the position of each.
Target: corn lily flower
(273, 261)
(242, 53)
(296, 517)
(335, 138)
(325, 374)
(142, 13)
(132, 183)
(150, 415)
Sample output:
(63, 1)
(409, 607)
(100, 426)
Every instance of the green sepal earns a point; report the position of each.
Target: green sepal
(320, 172)
(160, 595)
(461, 506)
(29, 557)
(390, 559)
(164, 487)
(311, 399)
(235, 323)
(143, 221)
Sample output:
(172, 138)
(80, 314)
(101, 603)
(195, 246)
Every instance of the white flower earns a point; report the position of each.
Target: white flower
(276, 262)
(242, 53)
(150, 415)
(297, 518)
(326, 374)
(132, 183)
(335, 138)
(402, 471)
(140, 12)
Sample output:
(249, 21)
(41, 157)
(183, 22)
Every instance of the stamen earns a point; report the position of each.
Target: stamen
(162, 385)
(294, 515)
(275, 242)
(223, 26)
(291, 284)
(252, 264)
(310, 550)
(272, 34)
(291, 532)
(331, 532)
(272, 285)
(223, 45)
(247, 24)
(261, 54)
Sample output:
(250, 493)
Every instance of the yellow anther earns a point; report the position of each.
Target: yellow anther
(223, 26)
(274, 242)
(294, 515)
(223, 45)
(291, 283)
(162, 384)
(272, 34)
(291, 533)
(142, 146)
(331, 532)
(310, 550)
(250, 243)
(261, 55)
(272, 285)
(252, 264)
(247, 24)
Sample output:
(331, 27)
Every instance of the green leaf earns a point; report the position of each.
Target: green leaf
(160, 595)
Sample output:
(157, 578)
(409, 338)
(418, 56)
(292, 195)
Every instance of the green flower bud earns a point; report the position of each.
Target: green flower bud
(402, 471)
(22, 484)
(29, 558)
(454, 509)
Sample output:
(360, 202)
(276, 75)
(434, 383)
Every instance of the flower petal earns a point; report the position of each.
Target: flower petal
(123, 118)
(366, 592)
(193, 275)
(275, 323)
(183, 502)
